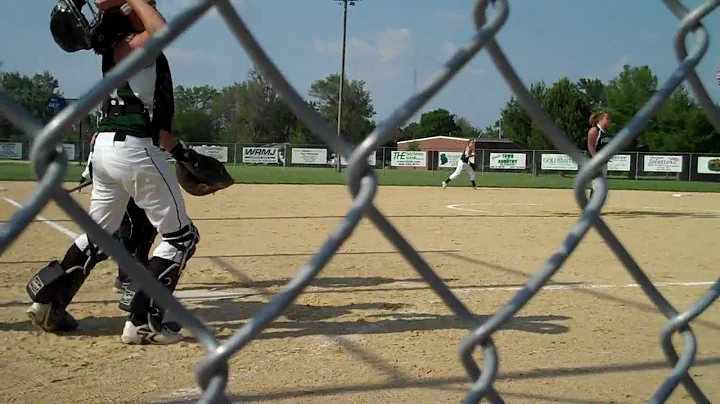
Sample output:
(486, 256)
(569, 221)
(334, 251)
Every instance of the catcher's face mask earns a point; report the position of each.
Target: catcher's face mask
(70, 28)
(74, 29)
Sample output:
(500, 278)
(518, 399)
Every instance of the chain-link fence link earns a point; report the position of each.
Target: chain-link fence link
(50, 165)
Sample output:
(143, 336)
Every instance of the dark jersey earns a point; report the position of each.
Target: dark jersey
(602, 140)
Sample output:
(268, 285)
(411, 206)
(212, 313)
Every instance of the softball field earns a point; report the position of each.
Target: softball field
(369, 330)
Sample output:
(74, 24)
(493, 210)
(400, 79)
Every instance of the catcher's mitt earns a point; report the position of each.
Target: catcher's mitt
(200, 175)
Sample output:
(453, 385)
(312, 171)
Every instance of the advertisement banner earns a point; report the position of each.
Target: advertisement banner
(218, 152)
(372, 160)
(309, 156)
(619, 162)
(558, 162)
(400, 158)
(449, 159)
(10, 151)
(260, 155)
(69, 149)
(507, 161)
(708, 165)
(663, 164)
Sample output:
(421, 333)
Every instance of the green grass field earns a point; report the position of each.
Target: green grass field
(302, 175)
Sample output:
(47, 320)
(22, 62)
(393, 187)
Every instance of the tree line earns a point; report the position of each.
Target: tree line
(679, 126)
(252, 112)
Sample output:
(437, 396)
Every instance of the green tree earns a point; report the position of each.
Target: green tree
(409, 131)
(32, 92)
(516, 123)
(357, 110)
(594, 90)
(253, 112)
(680, 126)
(194, 126)
(627, 94)
(466, 129)
(199, 98)
(569, 107)
(439, 122)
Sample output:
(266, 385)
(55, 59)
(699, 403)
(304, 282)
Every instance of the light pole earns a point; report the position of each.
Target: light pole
(345, 4)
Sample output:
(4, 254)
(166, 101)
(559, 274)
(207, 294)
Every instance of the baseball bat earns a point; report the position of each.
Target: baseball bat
(79, 187)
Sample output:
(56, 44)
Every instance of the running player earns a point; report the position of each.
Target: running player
(464, 164)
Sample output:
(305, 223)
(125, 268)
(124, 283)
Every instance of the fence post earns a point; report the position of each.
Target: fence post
(690, 168)
(383, 159)
(482, 162)
(534, 165)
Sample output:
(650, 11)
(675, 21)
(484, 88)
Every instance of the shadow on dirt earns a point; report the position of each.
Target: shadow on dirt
(460, 384)
(300, 320)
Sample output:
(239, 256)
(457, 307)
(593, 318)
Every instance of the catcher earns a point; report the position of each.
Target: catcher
(126, 163)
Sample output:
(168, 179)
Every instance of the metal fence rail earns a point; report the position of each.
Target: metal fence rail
(50, 165)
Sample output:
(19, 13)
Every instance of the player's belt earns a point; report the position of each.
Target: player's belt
(119, 110)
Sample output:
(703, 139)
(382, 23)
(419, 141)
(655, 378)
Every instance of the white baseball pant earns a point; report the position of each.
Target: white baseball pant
(596, 181)
(137, 168)
(86, 173)
(462, 166)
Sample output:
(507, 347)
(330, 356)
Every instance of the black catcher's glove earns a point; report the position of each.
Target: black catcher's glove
(199, 174)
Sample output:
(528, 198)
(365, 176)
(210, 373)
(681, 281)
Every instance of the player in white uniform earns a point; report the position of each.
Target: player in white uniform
(136, 231)
(126, 163)
(464, 164)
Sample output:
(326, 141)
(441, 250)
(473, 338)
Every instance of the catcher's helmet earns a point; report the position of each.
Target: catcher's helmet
(99, 30)
(70, 28)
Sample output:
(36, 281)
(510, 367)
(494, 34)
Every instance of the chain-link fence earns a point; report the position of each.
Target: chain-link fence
(50, 166)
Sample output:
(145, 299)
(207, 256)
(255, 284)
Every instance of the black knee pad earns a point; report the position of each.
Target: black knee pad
(135, 301)
(59, 282)
(184, 240)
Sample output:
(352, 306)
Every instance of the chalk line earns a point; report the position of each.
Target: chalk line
(457, 206)
(58, 227)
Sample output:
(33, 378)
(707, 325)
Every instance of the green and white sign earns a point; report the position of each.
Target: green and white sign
(559, 162)
(400, 158)
(708, 165)
(508, 161)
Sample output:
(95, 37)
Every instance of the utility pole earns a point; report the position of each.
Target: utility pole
(345, 4)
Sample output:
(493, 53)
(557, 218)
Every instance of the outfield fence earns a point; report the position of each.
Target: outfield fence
(704, 167)
(50, 164)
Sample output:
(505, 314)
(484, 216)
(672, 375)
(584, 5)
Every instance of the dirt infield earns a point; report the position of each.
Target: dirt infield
(369, 330)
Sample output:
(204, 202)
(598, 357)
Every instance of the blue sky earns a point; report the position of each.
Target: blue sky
(544, 39)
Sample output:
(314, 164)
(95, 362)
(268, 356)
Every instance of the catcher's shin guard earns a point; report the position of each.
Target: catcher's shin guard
(137, 234)
(142, 307)
(58, 282)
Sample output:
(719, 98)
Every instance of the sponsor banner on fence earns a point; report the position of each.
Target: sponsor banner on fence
(619, 162)
(372, 160)
(400, 158)
(218, 152)
(558, 162)
(260, 155)
(69, 149)
(309, 156)
(507, 161)
(449, 159)
(663, 164)
(708, 165)
(10, 151)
